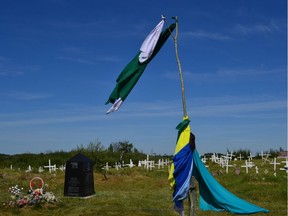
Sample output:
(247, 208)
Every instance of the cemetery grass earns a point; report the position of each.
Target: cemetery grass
(145, 193)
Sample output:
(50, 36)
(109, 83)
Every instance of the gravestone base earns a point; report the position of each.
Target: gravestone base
(77, 197)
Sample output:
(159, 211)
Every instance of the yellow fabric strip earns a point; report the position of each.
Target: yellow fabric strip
(183, 140)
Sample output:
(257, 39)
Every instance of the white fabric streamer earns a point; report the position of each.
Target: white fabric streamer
(115, 106)
(150, 42)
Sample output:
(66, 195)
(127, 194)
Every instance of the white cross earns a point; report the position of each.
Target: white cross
(240, 157)
(225, 164)
(147, 162)
(139, 163)
(116, 166)
(247, 165)
(262, 154)
(159, 163)
(62, 168)
(51, 167)
(274, 164)
(166, 162)
(285, 166)
(40, 169)
(106, 167)
(204, 159)
(214, 158)
(150, 165)
(131, 164)
(250, 157)
(29, 169)
(256, 168)
(230, 155)
(264, 157)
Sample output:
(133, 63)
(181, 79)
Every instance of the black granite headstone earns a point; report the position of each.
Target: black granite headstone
(79, 179)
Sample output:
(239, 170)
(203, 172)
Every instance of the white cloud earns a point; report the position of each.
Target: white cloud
(78, 60)
(249, 72)
(26, 95)
(92, 59)
(228, 106)
(223, 74)
(262, 109)
(256, 29)
(207, 35)
(10, 68)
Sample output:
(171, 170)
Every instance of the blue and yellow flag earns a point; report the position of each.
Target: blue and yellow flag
(182, 166)
(213, 196)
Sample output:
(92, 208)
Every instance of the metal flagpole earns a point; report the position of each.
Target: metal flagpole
(192, 189)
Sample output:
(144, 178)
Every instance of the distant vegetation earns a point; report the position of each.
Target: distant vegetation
(116, 152)
(246, 152)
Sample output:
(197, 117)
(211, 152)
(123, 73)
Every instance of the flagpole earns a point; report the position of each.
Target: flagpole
(192, 189)
(179, 67)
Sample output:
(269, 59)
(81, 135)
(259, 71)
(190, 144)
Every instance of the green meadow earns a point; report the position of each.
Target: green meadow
(136, 191)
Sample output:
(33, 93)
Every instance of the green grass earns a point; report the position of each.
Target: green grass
(143, 193)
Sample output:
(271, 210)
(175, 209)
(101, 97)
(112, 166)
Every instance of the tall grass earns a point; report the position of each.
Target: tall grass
(139, 192)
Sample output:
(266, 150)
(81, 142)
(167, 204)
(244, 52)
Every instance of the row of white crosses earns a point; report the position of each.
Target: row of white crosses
(230, 157)
(224, 161)
(250, 164)
(147, 164)
(161, 163)
(40, 169)
(215, 158)
(118, 165)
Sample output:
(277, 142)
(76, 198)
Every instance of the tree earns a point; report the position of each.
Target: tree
(94, 147)
(125, 147)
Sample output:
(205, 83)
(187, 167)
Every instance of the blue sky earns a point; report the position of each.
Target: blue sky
(59, 60)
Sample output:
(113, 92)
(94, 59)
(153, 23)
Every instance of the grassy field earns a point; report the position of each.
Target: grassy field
(139, 192)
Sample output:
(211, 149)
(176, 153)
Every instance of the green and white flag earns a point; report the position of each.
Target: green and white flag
(150, 42)
(134, 69)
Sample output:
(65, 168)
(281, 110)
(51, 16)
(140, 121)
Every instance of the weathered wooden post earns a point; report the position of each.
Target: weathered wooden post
(192, 198)
(192, 189)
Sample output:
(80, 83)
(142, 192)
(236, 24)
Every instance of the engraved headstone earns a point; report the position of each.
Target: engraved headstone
(79, 179)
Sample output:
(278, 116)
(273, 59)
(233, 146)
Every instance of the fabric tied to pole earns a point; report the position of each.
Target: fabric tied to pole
(182, 166)
(215, 197)
(134, 69)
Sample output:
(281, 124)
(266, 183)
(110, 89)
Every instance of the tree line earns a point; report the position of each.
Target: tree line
(116, 152)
